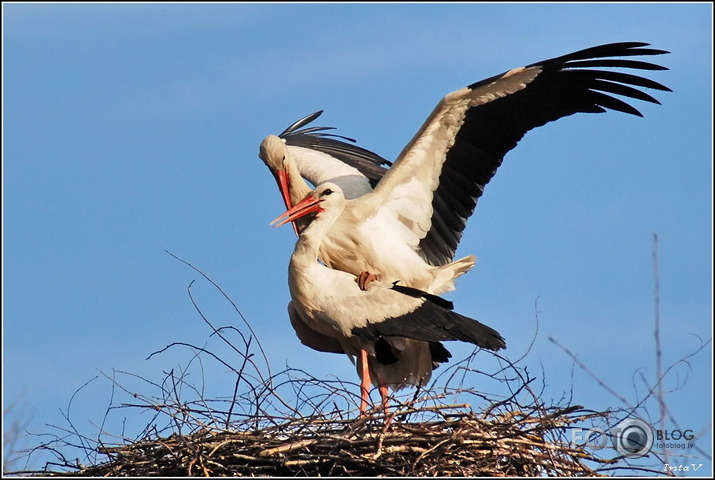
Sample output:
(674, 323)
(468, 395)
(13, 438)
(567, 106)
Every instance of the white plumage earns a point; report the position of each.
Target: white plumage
(403, 224)
(394, 331)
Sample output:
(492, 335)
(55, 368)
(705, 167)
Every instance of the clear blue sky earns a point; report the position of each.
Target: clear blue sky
(133, 128)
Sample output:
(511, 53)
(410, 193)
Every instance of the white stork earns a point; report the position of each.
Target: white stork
(395, 331)
(408, 228)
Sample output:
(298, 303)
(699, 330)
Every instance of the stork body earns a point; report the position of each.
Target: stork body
(394, 331)
(361, 240)
(405, 223)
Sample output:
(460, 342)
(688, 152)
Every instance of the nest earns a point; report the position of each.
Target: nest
(456, 443)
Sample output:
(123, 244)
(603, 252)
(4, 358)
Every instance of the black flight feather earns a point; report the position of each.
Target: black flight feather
(430, 323)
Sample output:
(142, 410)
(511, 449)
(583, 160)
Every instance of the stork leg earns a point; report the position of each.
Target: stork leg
(364, 279)
(365, 387)
(365, 383)
(384, 395)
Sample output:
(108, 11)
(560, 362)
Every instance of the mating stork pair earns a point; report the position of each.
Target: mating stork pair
(376, 244)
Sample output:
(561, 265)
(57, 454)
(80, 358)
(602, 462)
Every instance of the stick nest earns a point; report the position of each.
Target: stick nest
(457, 442)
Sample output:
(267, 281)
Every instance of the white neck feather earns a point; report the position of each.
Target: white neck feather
(308, 245)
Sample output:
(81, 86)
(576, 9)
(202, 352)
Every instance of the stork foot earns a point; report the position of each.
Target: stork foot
(364, 279)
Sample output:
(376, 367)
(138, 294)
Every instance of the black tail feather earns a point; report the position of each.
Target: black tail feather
(439, 353)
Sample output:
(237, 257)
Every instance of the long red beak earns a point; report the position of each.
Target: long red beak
(308, 205)
(283, 182)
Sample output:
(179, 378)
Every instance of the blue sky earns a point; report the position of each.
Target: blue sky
(129, 129)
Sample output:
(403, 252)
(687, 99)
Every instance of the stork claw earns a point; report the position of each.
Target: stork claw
(364, 279)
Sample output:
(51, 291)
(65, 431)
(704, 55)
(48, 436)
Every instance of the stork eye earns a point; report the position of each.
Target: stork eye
(326, 192)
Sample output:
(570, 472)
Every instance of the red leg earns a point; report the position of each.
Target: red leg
(384, 394)
(364, 279)
(365, 383)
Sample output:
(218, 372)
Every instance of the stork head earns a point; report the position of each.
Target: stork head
(273, 153)
(327, 197)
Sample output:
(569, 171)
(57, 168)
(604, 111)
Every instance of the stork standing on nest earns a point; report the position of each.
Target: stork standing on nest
(394, 331)
(404, 224)
(408, 228)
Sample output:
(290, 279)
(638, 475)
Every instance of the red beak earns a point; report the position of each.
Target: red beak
(283, 186)
(308, 205)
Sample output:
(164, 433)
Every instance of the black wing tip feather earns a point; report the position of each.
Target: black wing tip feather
(433, 321)
(300, 123)
(617, 49)
(417, 293)
(315, 138)
(583, 81)
(296, 129)
(608, 56)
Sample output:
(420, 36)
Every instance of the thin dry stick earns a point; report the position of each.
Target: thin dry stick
(590, 373)
(235, 307)
(658, 351)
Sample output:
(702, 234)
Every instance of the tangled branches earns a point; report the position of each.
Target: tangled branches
(456, 443)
